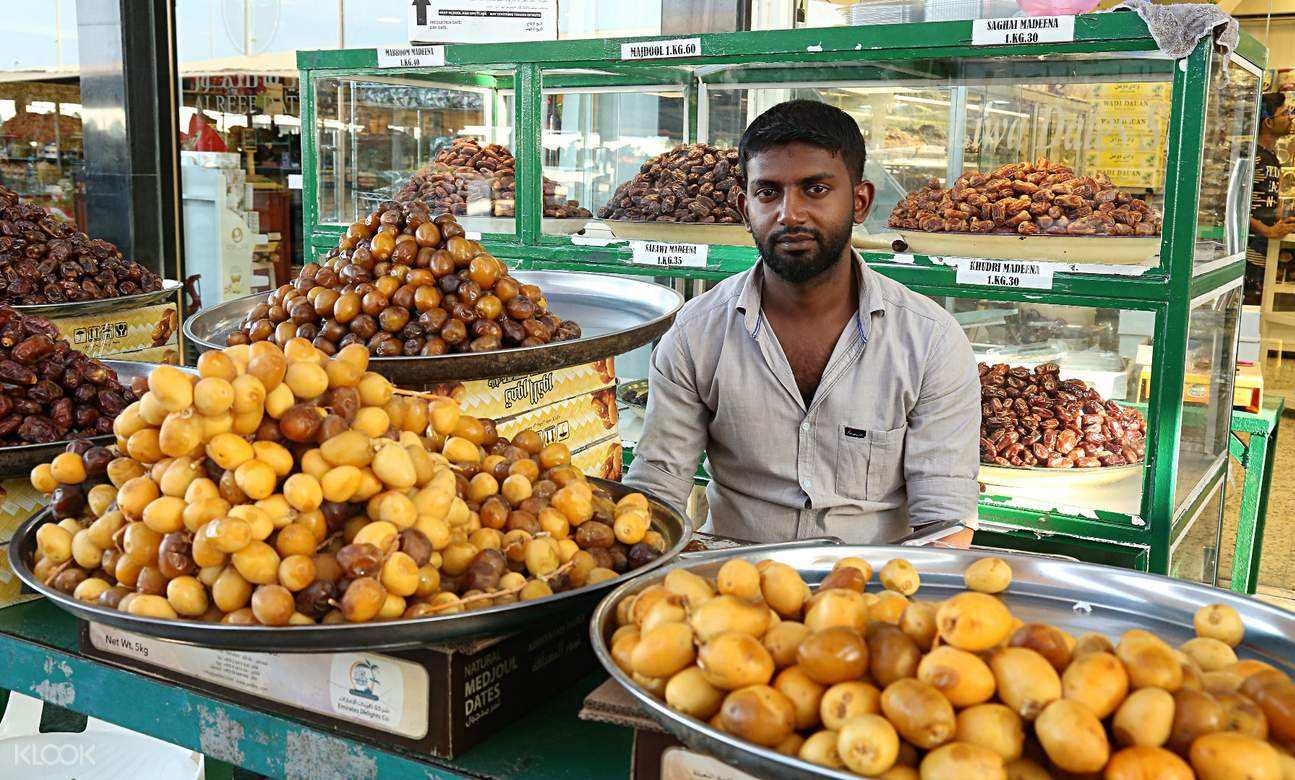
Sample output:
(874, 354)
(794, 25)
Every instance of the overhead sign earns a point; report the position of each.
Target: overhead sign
(482, 21)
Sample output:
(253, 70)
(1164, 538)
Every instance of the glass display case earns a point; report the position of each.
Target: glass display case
(1114, 177)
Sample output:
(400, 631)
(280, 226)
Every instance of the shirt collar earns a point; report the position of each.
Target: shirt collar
(870, 300)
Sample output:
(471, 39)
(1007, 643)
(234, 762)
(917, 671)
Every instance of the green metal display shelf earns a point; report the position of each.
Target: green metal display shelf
(38, 657)
(1178, 291)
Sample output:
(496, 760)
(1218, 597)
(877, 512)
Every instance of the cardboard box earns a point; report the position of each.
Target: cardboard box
(18, 501)
(1247, 390)
(509, 396)
(169, 354)
(434, 700)
(106, 335)
(576, 422)
(601, 459)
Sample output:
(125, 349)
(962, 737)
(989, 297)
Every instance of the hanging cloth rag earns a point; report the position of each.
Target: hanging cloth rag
(1177, 28)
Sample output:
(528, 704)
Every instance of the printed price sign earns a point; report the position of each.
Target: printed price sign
(411, 56)
(1006, 273)
(1025, 29)
(669, 255)
(482, 21)
(661, 50)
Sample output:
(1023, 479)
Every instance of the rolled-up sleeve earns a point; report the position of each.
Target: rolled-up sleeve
(941, 447)
(674, 427)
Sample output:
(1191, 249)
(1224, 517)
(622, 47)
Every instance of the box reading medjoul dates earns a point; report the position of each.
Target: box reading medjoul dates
(695, 183)
(1038, 198)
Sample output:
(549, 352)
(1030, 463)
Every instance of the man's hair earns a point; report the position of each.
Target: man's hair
(1270, 104)
(808, 122)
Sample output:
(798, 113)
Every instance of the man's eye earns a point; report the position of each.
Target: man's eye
(765, 193)
(818, 189)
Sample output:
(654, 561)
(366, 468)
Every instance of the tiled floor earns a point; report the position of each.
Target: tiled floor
(1277, 565)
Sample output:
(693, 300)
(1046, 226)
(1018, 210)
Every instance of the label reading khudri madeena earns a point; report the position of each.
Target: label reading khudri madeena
(1027, 29)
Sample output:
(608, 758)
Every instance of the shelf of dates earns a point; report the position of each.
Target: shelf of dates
(39, 657)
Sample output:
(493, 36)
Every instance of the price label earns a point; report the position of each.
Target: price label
(1025, 29)
(665, 255)
(411, 56)
(1006, 273)
(906, 259)
(661, 50)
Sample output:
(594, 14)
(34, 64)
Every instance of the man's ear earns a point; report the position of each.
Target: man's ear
(864, 195)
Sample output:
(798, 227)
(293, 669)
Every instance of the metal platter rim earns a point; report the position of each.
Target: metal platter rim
(72, 308)
(769, 763)
(388, 635)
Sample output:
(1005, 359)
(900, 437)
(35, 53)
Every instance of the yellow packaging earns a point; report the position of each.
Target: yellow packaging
(600, 459)
(10, 586)
(19, 501)
(574, 422)
(508, 396)
(106, 335)
(169, 354)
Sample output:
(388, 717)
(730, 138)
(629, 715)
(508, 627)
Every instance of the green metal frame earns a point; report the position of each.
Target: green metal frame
(1104, 45)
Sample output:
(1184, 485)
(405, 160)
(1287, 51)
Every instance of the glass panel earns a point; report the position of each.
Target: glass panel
(596, 138)
(392, 138)
(1227, 165)
(1207, 394)
(1194, 552)
(1109, 352)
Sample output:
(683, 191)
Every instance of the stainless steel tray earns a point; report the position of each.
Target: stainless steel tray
(615, 315)
(19, 460)
(387, 635)
(104, 305)
(1076, 597)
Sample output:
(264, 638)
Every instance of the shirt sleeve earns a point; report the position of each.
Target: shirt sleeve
(942, 445)
(674, 426)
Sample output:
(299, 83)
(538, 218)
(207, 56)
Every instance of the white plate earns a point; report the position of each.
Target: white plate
(1105, 250)
(1034, 476)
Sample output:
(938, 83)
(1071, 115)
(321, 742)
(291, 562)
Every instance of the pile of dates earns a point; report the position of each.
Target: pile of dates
(690, 183)
(49, 391)
(46, 260)
(466, 174)
(1039, 198)
(404, 282)
(1033, 417)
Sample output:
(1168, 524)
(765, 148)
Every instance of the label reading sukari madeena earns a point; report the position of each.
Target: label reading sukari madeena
(661, 50)
(1025, 29)
(666, 255)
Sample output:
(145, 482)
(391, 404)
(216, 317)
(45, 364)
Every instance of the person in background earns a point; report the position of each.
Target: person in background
(828, 398)
(1266, 224)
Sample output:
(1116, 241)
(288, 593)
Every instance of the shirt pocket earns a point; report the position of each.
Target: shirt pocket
(870, 463)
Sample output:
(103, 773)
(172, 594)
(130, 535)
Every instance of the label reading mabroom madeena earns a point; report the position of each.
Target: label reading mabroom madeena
(661, 50)
(1025, 29)
(1006, 273)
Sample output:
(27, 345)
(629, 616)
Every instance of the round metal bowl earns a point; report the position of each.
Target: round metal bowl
(387, 635)
(1038, 476)
(18, 460)
(1075, 597)
(103, 305)
(615, 316)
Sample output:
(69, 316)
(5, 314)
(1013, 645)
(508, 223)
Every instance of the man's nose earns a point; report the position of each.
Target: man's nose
(792, 209)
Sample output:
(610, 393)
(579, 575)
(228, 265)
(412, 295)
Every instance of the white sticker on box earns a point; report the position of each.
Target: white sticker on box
(1024, 29)
(664, 255)
(1005, 273)
(906, 259)
(411, 56)
(294, 181)
(661, 50)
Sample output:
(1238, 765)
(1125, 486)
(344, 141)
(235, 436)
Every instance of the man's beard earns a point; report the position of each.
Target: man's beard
(800, 267)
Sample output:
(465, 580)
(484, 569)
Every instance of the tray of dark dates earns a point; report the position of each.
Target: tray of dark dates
(1035, 425)
(50, 393)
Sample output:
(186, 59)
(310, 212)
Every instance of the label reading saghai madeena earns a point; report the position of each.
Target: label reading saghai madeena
(1025, 29)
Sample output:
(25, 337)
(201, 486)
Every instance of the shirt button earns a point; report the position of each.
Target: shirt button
(809, 483)
(804, 427)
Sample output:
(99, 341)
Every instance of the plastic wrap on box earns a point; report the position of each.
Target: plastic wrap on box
(600, 459)
(575, 422)
(508, 396)
(104, 335)
(19, 502)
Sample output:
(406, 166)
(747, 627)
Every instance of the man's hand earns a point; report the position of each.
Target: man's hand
(959, 541)
(1282, 228)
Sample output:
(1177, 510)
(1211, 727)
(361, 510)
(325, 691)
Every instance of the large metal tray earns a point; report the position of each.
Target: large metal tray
(386, 635)
(615, 315)
(1105, 250)
(1076, 597)
(1039, 476)
(103, 305)
(19, 460)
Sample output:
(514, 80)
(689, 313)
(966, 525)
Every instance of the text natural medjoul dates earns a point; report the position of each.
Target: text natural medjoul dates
(698, 183)
(1033, 417)
(1039, 198)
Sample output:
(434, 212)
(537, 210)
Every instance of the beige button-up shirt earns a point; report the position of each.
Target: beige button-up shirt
(890, 441)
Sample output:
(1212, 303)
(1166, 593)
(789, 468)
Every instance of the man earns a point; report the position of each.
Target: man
(829, 399)
(1274, 122)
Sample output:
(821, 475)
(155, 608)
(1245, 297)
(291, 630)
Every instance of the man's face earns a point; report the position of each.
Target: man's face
(1283, 120)
(801, 207)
